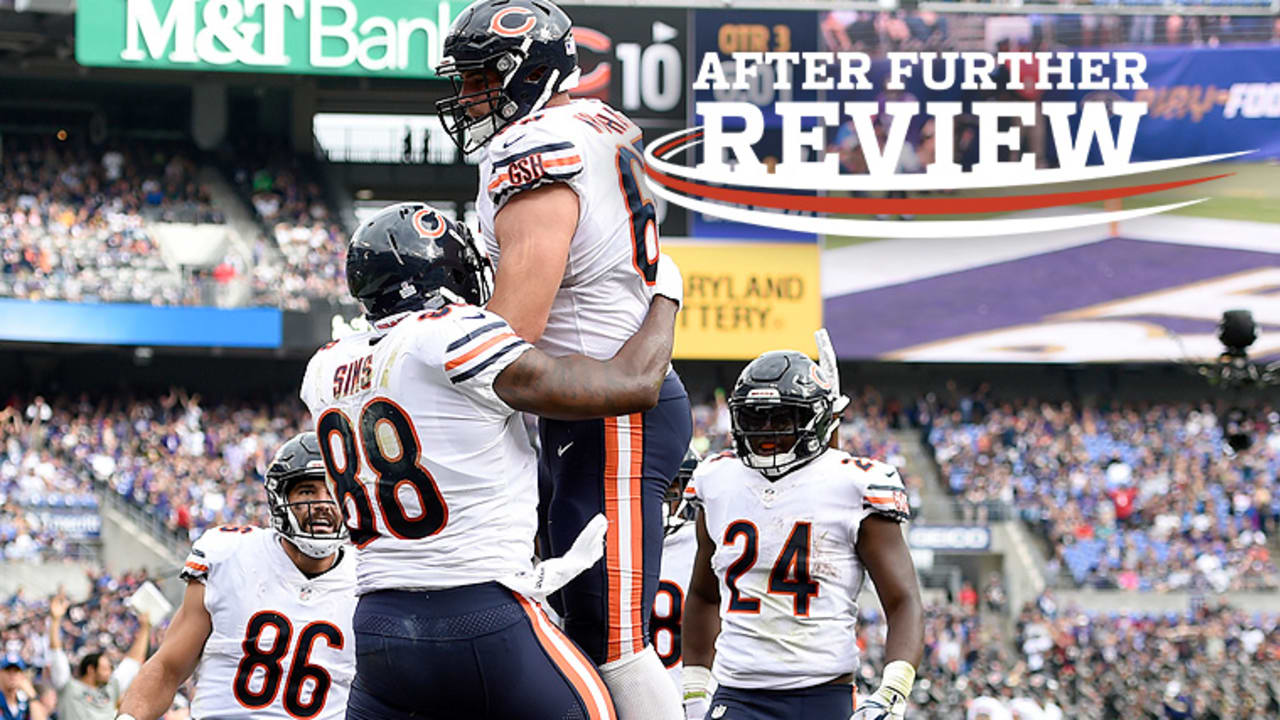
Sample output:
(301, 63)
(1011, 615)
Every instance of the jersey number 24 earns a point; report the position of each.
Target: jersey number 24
(789, 575)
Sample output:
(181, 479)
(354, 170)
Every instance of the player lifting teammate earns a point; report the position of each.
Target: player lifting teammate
(419, 427)
(785, 532)
(267, 613)
(570, 224)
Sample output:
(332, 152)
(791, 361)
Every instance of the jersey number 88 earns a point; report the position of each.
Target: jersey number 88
(387, 441)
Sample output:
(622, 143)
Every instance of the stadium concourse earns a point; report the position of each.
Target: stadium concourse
(1088, 546)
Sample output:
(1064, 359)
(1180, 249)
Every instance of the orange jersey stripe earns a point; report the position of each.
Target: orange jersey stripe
(879, 498)
(497, 180)
(462, 360)
(197, 566)
(559, 162)
(583, 682)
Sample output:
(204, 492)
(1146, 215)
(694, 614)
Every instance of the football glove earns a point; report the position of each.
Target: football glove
(889, 701)
(552, 574)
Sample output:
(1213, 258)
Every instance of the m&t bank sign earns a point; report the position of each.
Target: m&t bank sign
(390, 38)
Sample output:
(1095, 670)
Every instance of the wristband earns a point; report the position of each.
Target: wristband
(697, 681)
(898, 676)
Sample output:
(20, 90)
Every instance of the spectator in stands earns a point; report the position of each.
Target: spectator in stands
(21, 702)
(95, 692)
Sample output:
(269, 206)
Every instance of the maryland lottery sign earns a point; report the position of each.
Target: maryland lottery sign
(713, 168)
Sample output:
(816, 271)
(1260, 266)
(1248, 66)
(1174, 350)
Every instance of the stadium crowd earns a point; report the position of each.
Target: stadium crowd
(74, 224)
(73, 220)
(1208, 662)
(1135, 497)
(191, 464)
(290, 203)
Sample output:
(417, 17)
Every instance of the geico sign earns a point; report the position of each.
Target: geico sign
(949, 537)
(1253, 100)
(259, 33)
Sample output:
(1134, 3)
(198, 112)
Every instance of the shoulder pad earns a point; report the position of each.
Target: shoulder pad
(214, 547)
(468, 339)
(528, 156)
(883, 492)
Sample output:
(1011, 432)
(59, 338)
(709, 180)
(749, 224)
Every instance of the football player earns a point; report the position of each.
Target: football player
(786, 528)
(266, 620)
(678, 547)
(420, 430)
(572, 229)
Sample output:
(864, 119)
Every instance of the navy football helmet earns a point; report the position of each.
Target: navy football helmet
(313, 526)
(525, 51)
(408, 254)
(782, 412)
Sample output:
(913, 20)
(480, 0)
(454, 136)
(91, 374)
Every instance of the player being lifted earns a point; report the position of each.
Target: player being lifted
(266, 619)
(573, 231)
(785, 532)
(420, 430)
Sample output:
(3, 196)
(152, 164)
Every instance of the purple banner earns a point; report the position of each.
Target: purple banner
(1113, 300)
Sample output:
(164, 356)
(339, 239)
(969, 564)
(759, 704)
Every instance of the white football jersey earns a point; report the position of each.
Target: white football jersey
(596, 150)
(282, 645)
(786, 561)
(434, 472)
(678, 549)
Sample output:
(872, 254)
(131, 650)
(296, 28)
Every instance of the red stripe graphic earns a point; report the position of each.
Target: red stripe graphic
(913, 206)
(687, 138)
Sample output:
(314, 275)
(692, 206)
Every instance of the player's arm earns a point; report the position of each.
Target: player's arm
(534, 230)
(884, 554)
(700, 625)
(151, 693)
(575, 387)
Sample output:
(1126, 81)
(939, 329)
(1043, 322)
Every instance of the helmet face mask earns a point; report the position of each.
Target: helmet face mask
(506, 59)
(302, 517)
(781, 412)
(296, 461)
(771, 429)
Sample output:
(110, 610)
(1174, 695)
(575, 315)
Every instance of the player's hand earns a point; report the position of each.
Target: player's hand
(889, 701)
(24, 685)
(669, 282)
(885, 704)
